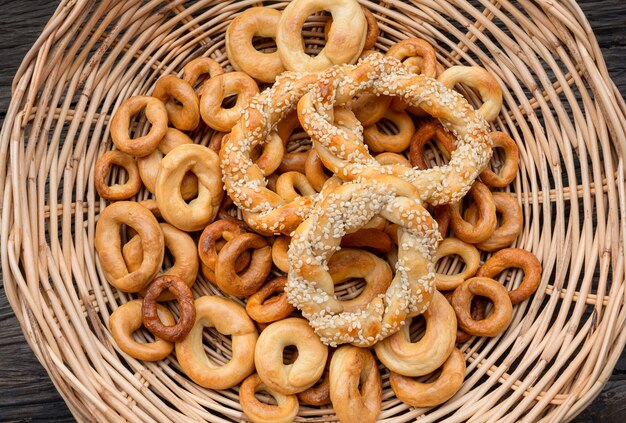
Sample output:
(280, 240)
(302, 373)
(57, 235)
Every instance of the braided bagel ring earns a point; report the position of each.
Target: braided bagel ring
(344, 153)
(108, 244)
(229, 318)
(469, 254)
(418, 394)
(344, 43)
(497, 321)
(515, 257)
(116, 191)
(285, 411)
(204, 163)
(350, 368)
(344, 209)
(149, 165)
(308, 367)
(185, 116)
(126, 319)
(259, 22)
(509, 229)
(402, 356)
(181, 246)
(155, 112)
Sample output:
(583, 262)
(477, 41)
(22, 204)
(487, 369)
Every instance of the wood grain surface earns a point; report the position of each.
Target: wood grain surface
(26, 392)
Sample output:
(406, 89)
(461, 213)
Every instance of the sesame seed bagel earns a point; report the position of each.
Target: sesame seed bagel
(346, 208)
(346, 155)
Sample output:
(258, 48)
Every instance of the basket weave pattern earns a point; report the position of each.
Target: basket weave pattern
(560, 106)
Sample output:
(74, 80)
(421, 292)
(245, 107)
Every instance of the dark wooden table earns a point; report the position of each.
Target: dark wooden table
(26, 392)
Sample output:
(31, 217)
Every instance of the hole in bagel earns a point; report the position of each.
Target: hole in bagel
(387, 126)
(264, 397)
(217, 346)
(497, 161)
(450, 265)
(417, 328)
(290, 354)
(313, 32)
(265, 45)
(229, 102)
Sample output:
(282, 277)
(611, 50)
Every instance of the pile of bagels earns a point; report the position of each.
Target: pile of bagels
(322, 200)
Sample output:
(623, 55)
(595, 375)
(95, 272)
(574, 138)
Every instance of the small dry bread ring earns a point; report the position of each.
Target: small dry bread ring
(508, 230)
(215, 143)
(349, 263)
(370, 238)
(319, 394)
(315, 171)
(230, 319)
(423, 395)
(308, 367)
(149, 165)
(171, 91)
(482, 81)
(511, 163)
(179, 289)
(116, 191)
(469, 254)
(420, 358)
(280, 249)
(155, 112)
(478, 310)
(379, 141)
(126, 319)
(291, 185)
(254, 22)
(207, 245)
(247, 283)
(369, 108)
(344, 43)
(428, 131)
(389, 158)
(202, 162)
(355, 385)
(372, 29)
(199, 67)
(502, 312)
(415, 47)
(183, 249)
(269, 303)
(285, 411)
(108, 244)
(216, 89)
(487, 220)
(515, 257)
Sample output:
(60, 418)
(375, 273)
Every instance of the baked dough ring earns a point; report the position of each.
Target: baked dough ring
(308, 367)
(155, 112)
(230, 319)
(216, 89)
(420, 358)
(116, 191)
(285, 411)
(108, 244)
(254, 22)
(344, 43)
(204, 163)
(186, 115)
(378, 141)
(351, 368)
(126, 319)
(469, 254)
(422, 395)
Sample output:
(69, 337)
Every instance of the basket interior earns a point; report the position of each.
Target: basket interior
(559, 105)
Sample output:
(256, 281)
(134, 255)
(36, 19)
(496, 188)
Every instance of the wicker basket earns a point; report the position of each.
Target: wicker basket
(559, 105)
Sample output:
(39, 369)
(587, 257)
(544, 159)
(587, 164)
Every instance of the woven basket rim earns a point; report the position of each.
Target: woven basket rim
(560, 105)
